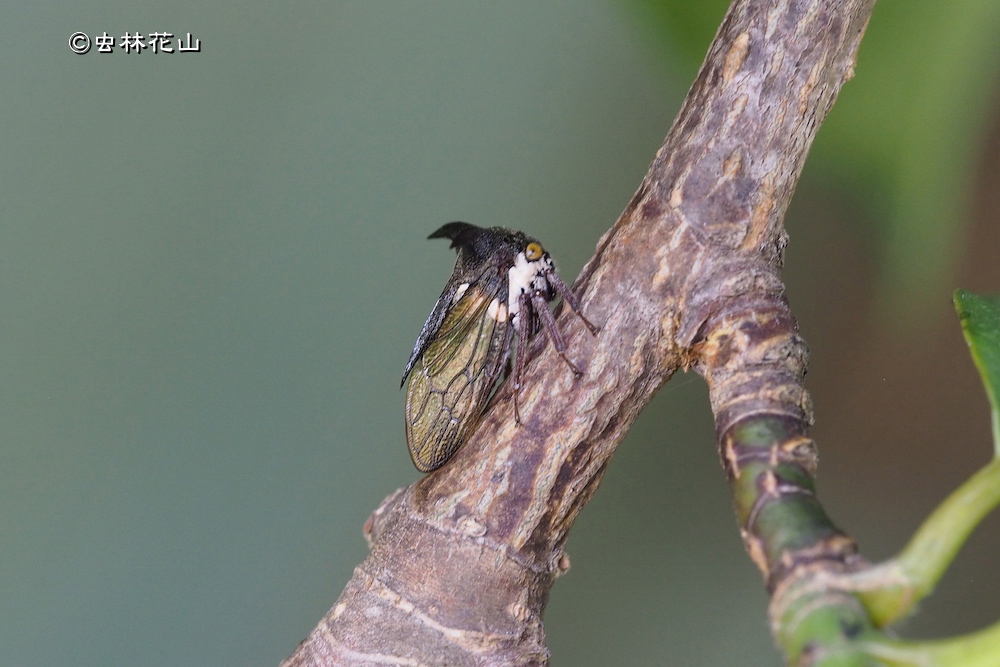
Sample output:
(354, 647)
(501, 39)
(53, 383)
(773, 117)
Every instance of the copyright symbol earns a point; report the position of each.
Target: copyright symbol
(79, 43)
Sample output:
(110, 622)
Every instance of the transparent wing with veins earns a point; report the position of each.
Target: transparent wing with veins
(452, 380)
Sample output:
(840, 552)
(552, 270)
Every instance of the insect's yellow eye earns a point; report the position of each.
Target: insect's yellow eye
(533, 252)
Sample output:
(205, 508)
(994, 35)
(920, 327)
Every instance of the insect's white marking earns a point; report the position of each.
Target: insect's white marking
(525, 276)
(498, 310)
(459, 291)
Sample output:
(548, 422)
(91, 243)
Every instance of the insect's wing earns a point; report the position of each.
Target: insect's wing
(432, 326)
(452, 380)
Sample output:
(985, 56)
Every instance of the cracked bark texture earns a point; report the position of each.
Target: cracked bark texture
(463, 560)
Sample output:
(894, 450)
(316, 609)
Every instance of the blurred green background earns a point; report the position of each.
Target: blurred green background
(213, 267)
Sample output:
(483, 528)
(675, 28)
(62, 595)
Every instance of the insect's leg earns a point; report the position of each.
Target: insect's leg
(567, 295)
(549, 324)
(524, 318)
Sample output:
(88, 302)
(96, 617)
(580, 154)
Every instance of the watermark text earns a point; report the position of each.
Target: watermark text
(156, 42)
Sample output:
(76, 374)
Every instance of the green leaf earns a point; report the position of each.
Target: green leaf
(980, 317)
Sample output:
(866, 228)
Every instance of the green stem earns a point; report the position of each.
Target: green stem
(979, 649)
(892, 589)
(769, 462)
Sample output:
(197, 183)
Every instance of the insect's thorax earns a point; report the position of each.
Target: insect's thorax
(527, 276)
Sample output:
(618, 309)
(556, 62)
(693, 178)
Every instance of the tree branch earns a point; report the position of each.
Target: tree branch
(463, 560)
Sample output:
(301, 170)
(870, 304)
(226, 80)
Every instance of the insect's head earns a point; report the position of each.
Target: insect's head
(479, 245)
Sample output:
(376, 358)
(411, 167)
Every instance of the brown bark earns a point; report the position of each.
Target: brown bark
(463, 560)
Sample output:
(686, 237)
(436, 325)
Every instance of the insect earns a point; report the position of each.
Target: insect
(501, 287)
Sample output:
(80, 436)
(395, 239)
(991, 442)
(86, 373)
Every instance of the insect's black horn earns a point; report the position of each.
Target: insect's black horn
(460, 233)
